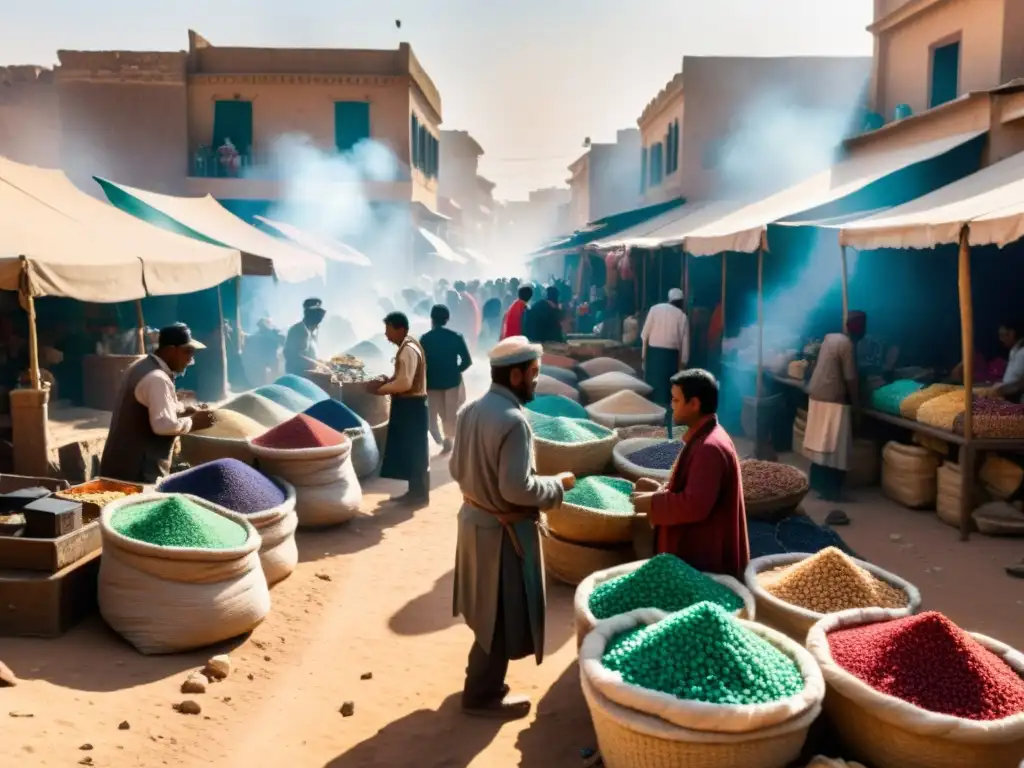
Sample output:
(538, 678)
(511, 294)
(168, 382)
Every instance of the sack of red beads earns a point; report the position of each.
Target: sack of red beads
(919, 691)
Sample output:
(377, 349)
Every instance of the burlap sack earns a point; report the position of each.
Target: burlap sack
(276, 526)
(698, 715)
(327, 491)
(172, 599)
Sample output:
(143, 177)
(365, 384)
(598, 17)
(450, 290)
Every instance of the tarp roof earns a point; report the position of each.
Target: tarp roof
(171, 264)
(672, 226)
(743, 229)
(441, 248)
(62, 257)
(990, 201)
(604, 229)
(209, 220)
(333, 250)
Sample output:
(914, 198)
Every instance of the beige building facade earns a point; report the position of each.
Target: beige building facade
(460, 181)
(157, 119)
(956, 65)
(603, 180)
(661, 123)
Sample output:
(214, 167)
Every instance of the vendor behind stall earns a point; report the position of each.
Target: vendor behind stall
(147, 416)
(666, 345)
(834, 393)
(300, 347)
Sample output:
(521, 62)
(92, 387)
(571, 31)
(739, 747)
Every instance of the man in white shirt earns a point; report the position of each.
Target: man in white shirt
(666, 345)
(147, 416)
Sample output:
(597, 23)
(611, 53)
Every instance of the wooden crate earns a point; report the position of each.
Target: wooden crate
(34, 604)
(49, 555)
(91, 510)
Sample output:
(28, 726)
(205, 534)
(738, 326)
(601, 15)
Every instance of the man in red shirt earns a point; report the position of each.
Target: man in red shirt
(513, 323)
(699, 514)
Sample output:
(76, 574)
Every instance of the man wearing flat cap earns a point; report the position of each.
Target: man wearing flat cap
(300, 346)
(499, 581)
(147, 416)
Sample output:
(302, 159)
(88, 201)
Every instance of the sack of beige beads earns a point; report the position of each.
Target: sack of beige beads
(793, 591)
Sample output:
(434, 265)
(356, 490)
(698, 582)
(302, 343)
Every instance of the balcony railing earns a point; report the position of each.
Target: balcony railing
(210, 163)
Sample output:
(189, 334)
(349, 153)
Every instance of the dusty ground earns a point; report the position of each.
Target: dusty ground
(375, 596)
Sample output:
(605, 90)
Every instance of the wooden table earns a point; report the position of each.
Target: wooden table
(968, 453)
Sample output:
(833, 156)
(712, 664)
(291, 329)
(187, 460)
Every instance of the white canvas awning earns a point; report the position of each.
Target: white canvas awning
(669, 228)
(172, 264)
(990, 202)
(204, 215)
(441, 248)
(332, 250)
(61, 256)
(743, 229)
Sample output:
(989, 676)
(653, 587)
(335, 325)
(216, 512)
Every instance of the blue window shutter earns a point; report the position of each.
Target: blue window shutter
(945, 74)
(351, 123)
(414, 152)
(233, 120)
(643, 170)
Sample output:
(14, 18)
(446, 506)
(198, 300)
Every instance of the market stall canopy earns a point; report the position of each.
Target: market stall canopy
(672, 225)
(990, 203)
(441, 248)
(332, 250)
(476, 256)
(172, 264)
(61, 257)
(604, 229)
(203, 218)
(744, 229)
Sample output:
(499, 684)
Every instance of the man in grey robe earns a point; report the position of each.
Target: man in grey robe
(499, 576)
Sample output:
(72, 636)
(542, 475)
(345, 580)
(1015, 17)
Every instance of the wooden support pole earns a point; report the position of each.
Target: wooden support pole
(140, 323)
(238, 314)
(846, 288)
(725, 273)
(33, 342)
(686, 281)
(760, 321)
(643, 287)
(967, 345)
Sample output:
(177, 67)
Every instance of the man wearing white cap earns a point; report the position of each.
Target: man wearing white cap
(499, 582)
(666, 345)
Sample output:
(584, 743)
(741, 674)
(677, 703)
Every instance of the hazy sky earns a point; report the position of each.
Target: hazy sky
(528, 78)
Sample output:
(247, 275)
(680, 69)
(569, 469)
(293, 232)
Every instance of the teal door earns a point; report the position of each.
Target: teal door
(233, 120)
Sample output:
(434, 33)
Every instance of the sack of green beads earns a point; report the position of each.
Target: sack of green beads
(179, 572)
(702, 669)
(664, 583)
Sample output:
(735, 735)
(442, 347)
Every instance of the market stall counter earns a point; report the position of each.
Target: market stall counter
(967, 449)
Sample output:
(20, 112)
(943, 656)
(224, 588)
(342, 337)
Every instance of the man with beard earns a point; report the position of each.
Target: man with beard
(499, 584)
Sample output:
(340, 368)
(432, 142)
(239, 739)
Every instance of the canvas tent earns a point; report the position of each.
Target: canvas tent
(332, 250)
(668, 227)
(440, 247)
(742, 228)
(203, 218)
(170, 264)
(990, 203)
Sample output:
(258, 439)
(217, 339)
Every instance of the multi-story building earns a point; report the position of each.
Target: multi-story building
(460, 180)
(521, 226)
(946, 68)
(163, 121)
(603, 179)
(661, 137)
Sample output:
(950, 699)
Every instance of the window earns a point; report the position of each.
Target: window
(672, 161)
(351, 124)
(945, 73)
(414, 132)
(233, 120)
(657, 163)
(643, 170)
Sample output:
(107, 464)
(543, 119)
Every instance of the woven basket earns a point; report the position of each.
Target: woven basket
(796, 621)
(589, 458)
(197, 449)
(571, 563)
(582, 525)
(632, 471)
(775, 508)
(371, 408)
(887, 732)
(586, 621)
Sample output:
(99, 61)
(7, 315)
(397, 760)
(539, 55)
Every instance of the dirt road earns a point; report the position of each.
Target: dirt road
(375, 597)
